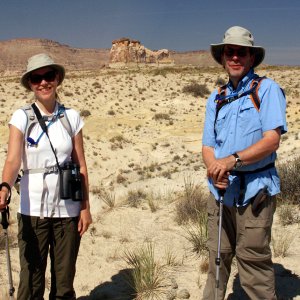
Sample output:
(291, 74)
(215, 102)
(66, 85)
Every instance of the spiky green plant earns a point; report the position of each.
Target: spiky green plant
(147, 275)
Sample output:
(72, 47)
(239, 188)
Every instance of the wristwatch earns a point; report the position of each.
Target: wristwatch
(238, 161)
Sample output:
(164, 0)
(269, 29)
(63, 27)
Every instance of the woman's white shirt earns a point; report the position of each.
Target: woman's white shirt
(32, 186)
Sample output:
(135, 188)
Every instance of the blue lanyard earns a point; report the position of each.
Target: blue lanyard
(221, 100)
(234, 96)
(31, 142)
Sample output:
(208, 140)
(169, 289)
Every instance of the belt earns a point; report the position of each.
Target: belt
(46, 170)
(241, 175)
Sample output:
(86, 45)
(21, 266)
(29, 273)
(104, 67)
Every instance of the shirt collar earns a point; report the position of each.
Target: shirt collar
(244, 82)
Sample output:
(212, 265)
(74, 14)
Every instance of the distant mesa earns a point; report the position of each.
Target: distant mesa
(15, 53)
(128, 51)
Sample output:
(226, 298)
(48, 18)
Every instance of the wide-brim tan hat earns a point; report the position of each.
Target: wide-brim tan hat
(39, 61)
(239, 36)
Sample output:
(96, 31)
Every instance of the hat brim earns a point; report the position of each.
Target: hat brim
(216, 51)
(60, 70)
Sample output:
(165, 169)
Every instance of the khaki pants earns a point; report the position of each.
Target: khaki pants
(35, 237)
(248, 237)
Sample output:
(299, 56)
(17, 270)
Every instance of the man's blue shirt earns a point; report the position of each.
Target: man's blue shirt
(239, 125)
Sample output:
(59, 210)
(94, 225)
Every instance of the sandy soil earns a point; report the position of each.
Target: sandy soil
(144, 134)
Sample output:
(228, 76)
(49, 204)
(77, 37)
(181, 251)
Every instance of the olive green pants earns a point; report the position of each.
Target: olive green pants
(35, 237)
(247, 236)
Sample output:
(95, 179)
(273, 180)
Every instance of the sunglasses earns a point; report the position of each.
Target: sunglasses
(38, 78)
(242, 52)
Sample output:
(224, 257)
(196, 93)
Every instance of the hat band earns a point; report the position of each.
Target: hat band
(239, 41)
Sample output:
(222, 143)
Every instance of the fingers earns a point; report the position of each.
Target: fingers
(84, 222)
(82, 227)
(3, 200)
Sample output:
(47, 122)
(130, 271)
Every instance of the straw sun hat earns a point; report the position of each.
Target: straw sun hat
(239, 36)
(40, 61)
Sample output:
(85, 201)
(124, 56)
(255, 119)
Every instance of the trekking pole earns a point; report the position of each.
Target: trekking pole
(218, 258)
(4, 222)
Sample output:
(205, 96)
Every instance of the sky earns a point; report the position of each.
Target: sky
(180, 25)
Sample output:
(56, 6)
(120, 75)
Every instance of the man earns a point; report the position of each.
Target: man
(240, 140)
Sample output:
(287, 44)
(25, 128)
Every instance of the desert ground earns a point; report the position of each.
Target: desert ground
(142, 137)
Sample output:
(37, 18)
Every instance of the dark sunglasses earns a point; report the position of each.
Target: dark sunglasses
(38, 78)
(242, 52)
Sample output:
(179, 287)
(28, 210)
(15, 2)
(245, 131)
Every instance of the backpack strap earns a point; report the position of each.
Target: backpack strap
(32, 119)
(254, 95)
(64, 119)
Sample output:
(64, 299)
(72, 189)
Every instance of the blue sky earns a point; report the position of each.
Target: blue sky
(171, 24)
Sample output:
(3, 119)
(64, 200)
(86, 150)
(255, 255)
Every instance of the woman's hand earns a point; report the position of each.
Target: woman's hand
(85, 219)
(3, 199)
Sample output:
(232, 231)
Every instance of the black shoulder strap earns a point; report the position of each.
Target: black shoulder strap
(40, 118)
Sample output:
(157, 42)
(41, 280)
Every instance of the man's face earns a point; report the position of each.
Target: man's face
(237, 61)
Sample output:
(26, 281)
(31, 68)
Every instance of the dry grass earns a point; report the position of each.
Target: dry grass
(281, 242)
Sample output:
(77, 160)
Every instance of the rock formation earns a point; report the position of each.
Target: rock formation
(125, 50)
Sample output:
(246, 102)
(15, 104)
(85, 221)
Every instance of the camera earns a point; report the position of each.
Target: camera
(70, 182)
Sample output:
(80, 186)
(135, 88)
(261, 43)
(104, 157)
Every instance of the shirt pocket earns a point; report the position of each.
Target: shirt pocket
(249, 120)
(220, 121)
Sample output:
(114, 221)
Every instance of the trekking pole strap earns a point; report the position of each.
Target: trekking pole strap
(5, 212)
(5, 184)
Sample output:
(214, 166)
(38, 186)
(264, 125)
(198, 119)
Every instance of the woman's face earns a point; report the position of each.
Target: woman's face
(43, 82)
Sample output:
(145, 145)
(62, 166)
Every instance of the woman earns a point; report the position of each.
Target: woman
(46, 220)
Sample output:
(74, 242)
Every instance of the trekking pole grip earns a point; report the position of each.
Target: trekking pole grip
(222, 192)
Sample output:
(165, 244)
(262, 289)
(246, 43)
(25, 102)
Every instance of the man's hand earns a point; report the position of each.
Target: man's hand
(219, 169)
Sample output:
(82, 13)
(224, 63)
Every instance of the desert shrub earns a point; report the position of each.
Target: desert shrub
(220, 81)
(161, 116)
(191, 203)
(111, 112)
(196, 89)
(121, 178)
(146, 277)
(196, 234)
(69, 94)
(290, 178)
(153, 201)
(109, 198)
(281, 242)
(85, 113)
(287, 214)
(135, 197)
(118, 141)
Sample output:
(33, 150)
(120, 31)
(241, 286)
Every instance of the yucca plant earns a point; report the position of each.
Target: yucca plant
(147, 276)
